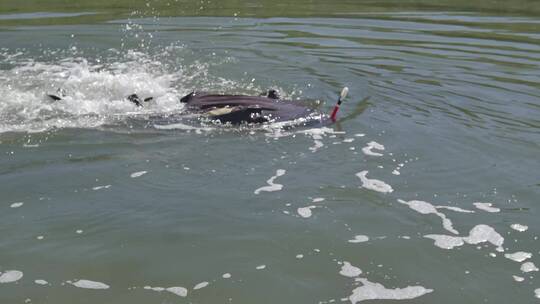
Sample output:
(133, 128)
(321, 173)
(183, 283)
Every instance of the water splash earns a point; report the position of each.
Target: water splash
(94, 92)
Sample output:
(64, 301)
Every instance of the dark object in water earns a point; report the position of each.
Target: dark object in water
(237, 109)
(59, 94)
(134, 98)
(137, 100)
(54, 97)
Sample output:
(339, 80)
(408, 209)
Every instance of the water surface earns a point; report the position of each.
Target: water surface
(131, 197)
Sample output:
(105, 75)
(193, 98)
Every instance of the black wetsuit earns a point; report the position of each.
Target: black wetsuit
(237, 109)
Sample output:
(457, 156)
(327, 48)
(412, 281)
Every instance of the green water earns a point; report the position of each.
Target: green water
(134, 198)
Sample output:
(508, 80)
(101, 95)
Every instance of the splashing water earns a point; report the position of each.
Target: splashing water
(94, 93)
(94, 90)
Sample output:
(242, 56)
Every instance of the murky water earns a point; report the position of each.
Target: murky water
(425, 191)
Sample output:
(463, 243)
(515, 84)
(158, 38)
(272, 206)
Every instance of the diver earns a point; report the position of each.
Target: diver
(240, 109)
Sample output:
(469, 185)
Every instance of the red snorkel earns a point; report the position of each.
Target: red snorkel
(336, 108)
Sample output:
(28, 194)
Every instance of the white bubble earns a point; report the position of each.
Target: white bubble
(138, 174)
(179, 291)
(305, 212)
(349, 270)
(519, 227)
(528, 267)
(10, 276)
(359, 239)
(16, 205)
(374, 184)
(271, 185)
(201, 285)
(87, 284)
(519, 256)
(486, 207)
(376, 291)
(373, 145)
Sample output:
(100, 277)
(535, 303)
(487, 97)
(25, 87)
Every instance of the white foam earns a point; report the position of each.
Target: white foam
(318, 199)
(299, 256)
(201, 285)
(484, 233)
(271, 185)
(519, 227)
(95, 92)
(41, 282)
(317, 135)
(486, 207)
(447, 224)
(445, 241)
(519, 256)
(79, 231)
(427, 208)
(182, 126)
(518, 278)
(138, 174)
(420, 206)
(226, 276)
(16, 205)
(376, 291)
(455, 209)
(260, 267)
(87, 284)
(305, 212)
(348, 140)
(178, 290)
(374, 184)
(396, 172)
(317, 144)
(478, 234)
(101, 187)
(359, 239)
(537, 293)
(373, 145)
(158, 289)
(10, 276)
(528, 267)
(349, 270)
